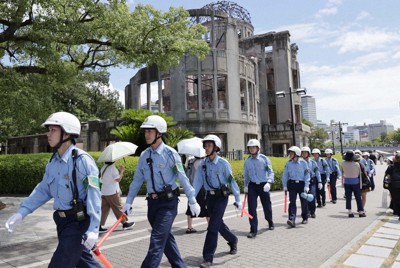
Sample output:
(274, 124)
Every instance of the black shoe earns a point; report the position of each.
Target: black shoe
(292, 224)
(271, 227)
(334, 201)
(305, 221)
(251, 235)
(362, 215)
(233, 247)
(313, 216)
(324, 204)
(128, 225)
(102, 230)
(319, 206)
(206, 264)
(351, 215)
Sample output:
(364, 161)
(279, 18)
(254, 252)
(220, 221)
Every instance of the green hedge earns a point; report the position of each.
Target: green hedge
(20, 173)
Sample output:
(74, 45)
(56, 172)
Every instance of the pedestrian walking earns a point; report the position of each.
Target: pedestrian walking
(258, 177)
(71, 178)
(365, 182)
(111, 194)
(215, 175)
(393, 176)
(296, 180)
(315, 179)
(334, 175)
(369, 167)
(159, 165)
(191, 168)
(324, 171)
(351, 171)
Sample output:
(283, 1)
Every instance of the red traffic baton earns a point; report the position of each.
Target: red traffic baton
(285, 203)
(97, 251)
(243, 210)
(329, 191)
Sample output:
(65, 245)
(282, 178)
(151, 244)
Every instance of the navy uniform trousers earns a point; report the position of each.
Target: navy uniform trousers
(216, 206)
(313, 190)
(70, 252)
(295, 189)
(161, 214)
(321, 194)
(332, 183)
(255, 191)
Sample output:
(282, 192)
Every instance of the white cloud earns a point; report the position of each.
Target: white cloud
(326, 12)
(363, 15)
(121, 92)
(365, 40)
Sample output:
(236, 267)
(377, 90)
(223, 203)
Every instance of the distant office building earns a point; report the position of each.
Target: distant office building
(375, 130)
(362, 131)
(322, 125)
(351, 135)
(309, 109)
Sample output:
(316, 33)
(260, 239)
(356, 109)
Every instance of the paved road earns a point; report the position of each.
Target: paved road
(327, 241)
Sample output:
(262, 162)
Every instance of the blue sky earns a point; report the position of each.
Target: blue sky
(349, 52)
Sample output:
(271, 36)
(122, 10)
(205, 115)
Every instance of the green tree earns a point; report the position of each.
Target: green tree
(176, 134)
(308, 123)
(54, 55)
(318, 137)
(44, 36)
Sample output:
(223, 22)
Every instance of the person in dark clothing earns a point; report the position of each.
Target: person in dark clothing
(393, 175)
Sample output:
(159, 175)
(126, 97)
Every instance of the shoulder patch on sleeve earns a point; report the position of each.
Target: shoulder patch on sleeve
(92, 181)
(179, 168)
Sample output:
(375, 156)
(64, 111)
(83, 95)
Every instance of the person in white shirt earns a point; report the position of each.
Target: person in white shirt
(111, 194)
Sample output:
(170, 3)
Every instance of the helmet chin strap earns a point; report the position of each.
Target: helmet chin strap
(58, 145)
(155, 140)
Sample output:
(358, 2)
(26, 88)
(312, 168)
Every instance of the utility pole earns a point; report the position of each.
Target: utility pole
(340, 124)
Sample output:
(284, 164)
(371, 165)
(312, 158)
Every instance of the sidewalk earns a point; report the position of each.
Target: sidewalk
(330, 240)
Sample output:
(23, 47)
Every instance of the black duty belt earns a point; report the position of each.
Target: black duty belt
(295, 181)
(215, 192)
(258, 183)
(66, 213)
(163, 194)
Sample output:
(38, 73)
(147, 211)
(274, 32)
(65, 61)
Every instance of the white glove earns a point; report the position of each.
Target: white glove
(13, 221)
(246, 190)
(267, 187)
(195, 209)
(89, 240)
(237, 205)
(127, 209)
(306, 189)
(328, 180)
(319, 185)
(285, 189)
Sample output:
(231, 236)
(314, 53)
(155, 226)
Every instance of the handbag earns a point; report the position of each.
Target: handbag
(386, 183)
(365, 182)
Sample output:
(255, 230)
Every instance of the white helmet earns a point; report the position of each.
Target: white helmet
(215, 139)
(253, 142)
(155, 121)
(306, 149)
(365, 154)
(357, 152)
(328, 151)
(68, 122)
(295, 149)
(316, 151)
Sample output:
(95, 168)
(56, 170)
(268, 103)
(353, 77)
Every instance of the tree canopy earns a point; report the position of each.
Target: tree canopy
(54, 55)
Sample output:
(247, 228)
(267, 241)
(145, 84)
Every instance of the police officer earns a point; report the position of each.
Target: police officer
(159, 165)
(296, 180)
(71, 178)
(258, 176)
(369, 167)
(215, 175)
(335, 174)
(315, 180)
(324, 171)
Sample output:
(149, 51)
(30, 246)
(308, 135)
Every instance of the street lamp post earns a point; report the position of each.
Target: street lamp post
(282, 94)
(340, 124)
(333, 141)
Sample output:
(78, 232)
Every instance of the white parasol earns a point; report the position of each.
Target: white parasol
(116, 151)
(192, 146)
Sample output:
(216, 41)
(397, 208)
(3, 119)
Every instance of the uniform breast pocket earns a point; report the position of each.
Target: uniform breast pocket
(64, 191)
